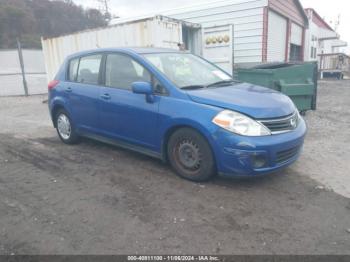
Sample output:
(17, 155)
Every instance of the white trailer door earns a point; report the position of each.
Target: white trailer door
(277, 38)
(218, 46)
(166, 33)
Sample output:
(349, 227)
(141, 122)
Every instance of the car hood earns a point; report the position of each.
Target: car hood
(255, 101)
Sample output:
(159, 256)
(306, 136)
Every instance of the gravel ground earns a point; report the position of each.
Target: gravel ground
(96, 199)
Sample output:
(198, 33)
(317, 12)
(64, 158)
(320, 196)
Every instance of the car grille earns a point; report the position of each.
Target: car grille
(286, 155)
(281, 125)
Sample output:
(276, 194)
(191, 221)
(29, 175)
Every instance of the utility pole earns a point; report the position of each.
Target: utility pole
(104, 7)
(20, 56)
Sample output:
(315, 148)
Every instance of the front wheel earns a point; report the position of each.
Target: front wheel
(65, 128)
(191, 156)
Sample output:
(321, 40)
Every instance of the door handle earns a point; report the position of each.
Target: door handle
(106, 97)
(69, 90)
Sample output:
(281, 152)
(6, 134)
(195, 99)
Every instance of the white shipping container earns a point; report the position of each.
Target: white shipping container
(157, 31)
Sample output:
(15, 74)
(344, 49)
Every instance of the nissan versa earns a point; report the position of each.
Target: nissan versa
(177, 107)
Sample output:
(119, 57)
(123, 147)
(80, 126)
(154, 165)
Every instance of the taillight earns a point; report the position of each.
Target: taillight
(53, 84)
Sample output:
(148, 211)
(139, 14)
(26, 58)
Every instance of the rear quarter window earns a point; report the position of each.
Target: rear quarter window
(73, 70)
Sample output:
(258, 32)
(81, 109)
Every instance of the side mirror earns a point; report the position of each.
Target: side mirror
(143, 88)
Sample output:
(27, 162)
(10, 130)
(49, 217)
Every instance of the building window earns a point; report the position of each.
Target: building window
(313, 52)
(295, 53)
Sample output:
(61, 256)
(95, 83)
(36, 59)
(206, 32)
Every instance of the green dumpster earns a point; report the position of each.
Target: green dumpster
(298, 81)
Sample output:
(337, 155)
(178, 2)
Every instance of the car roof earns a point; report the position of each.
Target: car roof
(135, 50)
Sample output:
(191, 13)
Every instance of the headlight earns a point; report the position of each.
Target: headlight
(240, 124)
(297, 118)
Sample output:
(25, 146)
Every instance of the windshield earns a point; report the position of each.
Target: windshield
(187, 70)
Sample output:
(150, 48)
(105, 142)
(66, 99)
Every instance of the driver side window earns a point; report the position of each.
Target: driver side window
(122, 71)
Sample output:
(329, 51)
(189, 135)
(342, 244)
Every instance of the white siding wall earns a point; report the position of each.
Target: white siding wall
(245, 15)
(332, 46)
(311, 41)
(322, 46)
(277, 38)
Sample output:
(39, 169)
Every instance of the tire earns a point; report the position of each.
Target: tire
(65, 128)
(191, 156)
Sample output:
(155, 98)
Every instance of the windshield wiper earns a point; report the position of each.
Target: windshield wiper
(220, 83)
(192, 87)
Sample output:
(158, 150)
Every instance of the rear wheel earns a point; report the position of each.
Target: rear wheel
(190, 155)
(65, 128)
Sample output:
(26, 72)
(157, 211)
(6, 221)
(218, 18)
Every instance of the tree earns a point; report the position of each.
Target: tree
(30, 19)
(15, 22)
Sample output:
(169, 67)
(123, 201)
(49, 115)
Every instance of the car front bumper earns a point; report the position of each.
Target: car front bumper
(253, 156)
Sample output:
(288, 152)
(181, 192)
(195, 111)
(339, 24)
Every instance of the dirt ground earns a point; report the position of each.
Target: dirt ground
(96, 199)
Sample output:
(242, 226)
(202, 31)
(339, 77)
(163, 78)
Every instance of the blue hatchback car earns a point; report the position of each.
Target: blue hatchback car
(177, 107)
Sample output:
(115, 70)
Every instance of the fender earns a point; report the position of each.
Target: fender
(58, 101)
(174, 124)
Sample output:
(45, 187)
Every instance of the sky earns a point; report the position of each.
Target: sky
(329, 10)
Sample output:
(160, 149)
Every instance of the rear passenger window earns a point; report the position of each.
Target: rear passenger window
(89, 68)
(122, 71)
(73, 70)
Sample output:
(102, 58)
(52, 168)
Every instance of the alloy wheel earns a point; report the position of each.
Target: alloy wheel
(64, 126)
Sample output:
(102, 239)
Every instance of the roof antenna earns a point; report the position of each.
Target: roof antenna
(337, 23)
